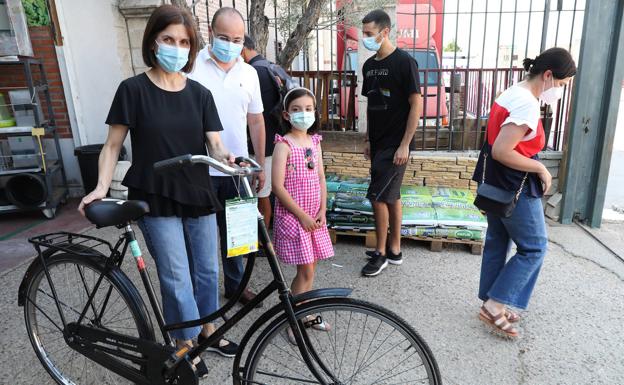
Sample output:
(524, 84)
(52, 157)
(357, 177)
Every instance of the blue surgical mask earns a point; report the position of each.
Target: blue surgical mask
(302, 120)
(371, 43)
(226, 51)
(170, 58)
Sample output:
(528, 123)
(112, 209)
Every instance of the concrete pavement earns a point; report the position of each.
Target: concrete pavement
(571, 334)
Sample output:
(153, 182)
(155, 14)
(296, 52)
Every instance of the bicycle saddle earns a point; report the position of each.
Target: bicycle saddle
(115, 212)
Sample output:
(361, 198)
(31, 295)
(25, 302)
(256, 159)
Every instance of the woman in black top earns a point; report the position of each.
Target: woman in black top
(169, 115)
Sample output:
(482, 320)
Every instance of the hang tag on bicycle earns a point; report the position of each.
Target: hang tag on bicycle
(241, 217)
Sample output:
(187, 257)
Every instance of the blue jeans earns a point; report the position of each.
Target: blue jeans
(226, 188)
(512, 282)
(185, 252)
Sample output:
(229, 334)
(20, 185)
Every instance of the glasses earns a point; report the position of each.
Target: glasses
(308, 155)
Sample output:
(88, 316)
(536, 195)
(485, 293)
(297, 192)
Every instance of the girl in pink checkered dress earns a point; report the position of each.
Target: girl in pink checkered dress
(299, 227)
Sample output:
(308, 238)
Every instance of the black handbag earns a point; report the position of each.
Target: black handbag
(495, 200)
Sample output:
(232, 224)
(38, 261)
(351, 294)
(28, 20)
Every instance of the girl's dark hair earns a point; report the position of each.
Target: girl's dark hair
(161, 18)
(290, 97)
(558, 60)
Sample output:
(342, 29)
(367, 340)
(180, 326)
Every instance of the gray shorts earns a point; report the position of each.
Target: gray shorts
(386, 177)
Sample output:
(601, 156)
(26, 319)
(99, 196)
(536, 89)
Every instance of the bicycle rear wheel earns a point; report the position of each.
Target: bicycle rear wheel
(366, 344)
(116, 307)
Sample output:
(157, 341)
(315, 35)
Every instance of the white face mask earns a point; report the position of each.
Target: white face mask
(552, 95)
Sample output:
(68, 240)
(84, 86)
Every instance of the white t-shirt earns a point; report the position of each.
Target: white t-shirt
(236, 93)
(522, 108)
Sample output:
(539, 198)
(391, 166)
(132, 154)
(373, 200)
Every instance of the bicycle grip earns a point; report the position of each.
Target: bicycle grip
(173, 163)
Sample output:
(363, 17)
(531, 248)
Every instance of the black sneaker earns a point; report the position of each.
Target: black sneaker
(370, 253)
(395, 259)
(375, 266)
(228, 350)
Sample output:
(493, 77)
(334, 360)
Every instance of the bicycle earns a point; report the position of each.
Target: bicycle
(88, 323)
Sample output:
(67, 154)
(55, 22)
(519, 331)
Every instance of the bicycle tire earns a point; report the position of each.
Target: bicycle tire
(38, 295)
(254, 373)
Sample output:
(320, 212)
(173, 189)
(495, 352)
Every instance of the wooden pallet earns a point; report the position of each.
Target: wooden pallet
(436, 244)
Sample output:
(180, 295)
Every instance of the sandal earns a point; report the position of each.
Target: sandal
(499, 323)
(512, 316)
(316, 323)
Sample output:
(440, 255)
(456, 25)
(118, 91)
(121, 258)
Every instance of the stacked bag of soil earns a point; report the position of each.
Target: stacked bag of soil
(437, 212)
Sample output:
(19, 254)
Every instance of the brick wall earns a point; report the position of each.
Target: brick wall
(342, 155)
(13, 76)
(431, 169)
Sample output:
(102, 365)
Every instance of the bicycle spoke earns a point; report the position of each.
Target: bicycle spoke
(288, 378)
(290, 369)
(359, 348)
(392, 369)
(85, 286)
(75, 283)
(291, 355)
(358, 370)
(344, 347)
(388, 350)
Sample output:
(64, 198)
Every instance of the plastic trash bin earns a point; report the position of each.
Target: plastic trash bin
(88, 161)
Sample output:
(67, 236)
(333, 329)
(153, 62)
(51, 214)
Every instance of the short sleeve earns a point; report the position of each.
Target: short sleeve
(255, 105)
(366, 83)
(523, 111)
(123, 110)
(411, 77)
(317, 139)
(211, 121)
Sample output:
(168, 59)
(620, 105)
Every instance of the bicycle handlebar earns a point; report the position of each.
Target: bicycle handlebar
(186, 160)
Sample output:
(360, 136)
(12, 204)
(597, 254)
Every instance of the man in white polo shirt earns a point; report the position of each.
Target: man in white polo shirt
(236, 91)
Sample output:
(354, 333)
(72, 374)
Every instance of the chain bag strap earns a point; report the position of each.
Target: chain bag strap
(495, 200)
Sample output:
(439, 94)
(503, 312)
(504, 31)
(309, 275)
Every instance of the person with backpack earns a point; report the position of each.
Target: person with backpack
(274, 84)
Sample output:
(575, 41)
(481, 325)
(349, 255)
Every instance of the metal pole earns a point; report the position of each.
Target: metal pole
(480, 78)
(572, 27)
(452, 82)
(526, 48)
(439, 85)
(513, 37)
(467, 76)
(545, 25)
(594, 113)
(559, 7)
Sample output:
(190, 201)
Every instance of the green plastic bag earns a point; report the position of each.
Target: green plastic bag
(460, 217)
(460, 233)
(418, 231)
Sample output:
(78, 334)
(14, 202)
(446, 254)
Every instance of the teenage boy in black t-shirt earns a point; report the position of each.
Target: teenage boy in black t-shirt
(392, 87)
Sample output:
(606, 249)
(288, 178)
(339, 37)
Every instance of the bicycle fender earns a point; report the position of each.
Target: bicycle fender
(36, 263)
(272, 312)
(322, 293)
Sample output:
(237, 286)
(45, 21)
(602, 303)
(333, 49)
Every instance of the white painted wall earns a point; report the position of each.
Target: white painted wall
(94, 59)
(97, 56)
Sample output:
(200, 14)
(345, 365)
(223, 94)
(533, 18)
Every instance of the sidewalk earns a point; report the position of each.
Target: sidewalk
(572, 333)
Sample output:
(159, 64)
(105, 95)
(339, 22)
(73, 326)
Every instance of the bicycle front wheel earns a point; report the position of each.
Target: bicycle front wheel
(365, 344)
(116, 307)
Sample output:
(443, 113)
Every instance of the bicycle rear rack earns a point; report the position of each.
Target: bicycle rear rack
(70, 242)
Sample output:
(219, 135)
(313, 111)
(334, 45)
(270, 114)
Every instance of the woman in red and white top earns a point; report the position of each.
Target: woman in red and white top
(515, 136)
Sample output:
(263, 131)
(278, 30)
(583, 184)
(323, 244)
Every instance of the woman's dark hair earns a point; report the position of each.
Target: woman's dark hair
(290, 97)
(558, 60)
(161, 18)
